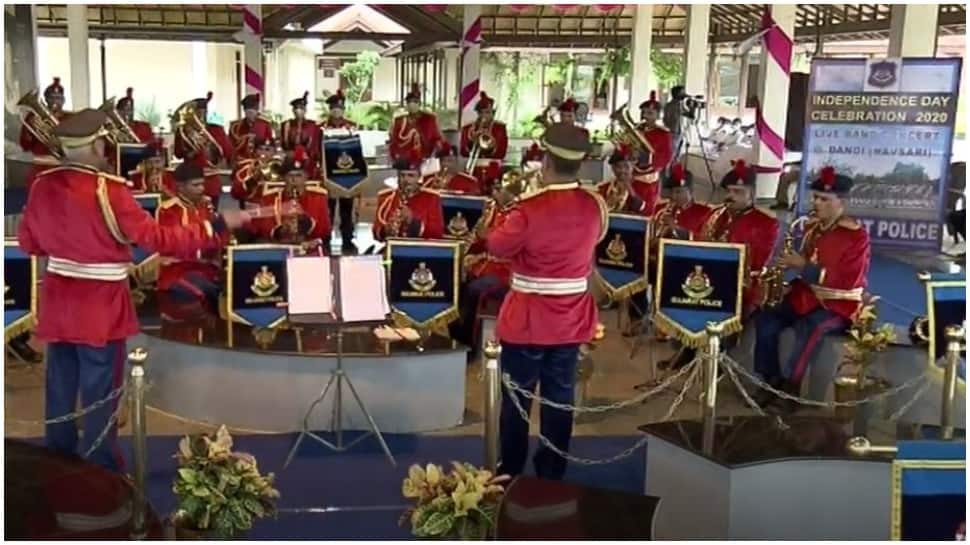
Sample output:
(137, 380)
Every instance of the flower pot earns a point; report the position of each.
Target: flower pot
(847, 388)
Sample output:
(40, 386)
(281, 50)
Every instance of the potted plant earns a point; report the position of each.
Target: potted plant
(461, 504)
(866, 338)
(220, 492)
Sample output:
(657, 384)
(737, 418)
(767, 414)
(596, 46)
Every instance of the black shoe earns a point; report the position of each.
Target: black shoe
(24, 351)
(682, 358)
(763, 398)
(348, 248)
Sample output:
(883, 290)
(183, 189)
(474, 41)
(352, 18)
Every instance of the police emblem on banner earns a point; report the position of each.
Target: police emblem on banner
(929, 493)
(128, 157)
(946, 305)
(698, 283)
(461, 213)
(256, 283)
(882, 74)
(145, 263)
(344, 164)
(19, 290)
(621, 257)
(423, 282)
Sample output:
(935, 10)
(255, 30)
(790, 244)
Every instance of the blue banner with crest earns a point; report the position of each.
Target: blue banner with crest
(461, 213)
(344, 165)
(621, 257)
(256, 286)
(423, 281)
(19, 290)
(929, 493)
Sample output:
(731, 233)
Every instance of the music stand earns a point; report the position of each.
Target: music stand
(338, 377)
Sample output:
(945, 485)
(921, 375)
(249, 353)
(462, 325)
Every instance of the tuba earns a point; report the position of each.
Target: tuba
(118, 129)
(42, 123)
(185, 121)
(627, 132)
(773, 278)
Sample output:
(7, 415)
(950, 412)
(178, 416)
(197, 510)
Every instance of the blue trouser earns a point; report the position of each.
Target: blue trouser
(95, 372)
(554, 368)
(809, 331)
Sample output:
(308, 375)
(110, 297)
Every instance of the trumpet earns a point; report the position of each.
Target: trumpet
(772, 278)
(483, 141)
(41, 124)
(119, 130)
(186, 122)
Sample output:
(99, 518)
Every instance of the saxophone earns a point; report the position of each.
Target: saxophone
(616, 196)
(397, 220)
(773, 278)
(711, 231)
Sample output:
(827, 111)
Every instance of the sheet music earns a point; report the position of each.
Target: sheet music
(309, 286)
(363, 289)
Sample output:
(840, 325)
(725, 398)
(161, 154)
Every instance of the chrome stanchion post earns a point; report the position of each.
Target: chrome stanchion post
(137, 359)
(711, 359)
(493, 396)
(954, 340)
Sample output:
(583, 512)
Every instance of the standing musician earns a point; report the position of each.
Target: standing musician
(832, 268)
(532, 155)
(249, 174)
(215, 154)
(410, 210)
(450, 178)
(627, 192)
(152, 176)
(301, 215)
(88, 246)
(486, 138)
(417, 130)
(658, 136)
(299, 131)
(245, 132)
(44, 157)
(549, 240)
(567, 113)
(126, 109)
(336, 121)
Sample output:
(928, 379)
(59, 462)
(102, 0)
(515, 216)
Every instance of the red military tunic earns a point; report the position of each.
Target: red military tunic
(662, 143)
(758, 231)
(83, 221)
(838, 266)
(213, 184)
(427, 219)
(549, 239)
(177, 265)
(419, 132)
(244, 146)
(37, 148)
(314, 222)
(244, 187)
(497, 154)
(457, 183)
(646, 189)
(478, 261)
(304, 133)
(143, 131)
(164, 182)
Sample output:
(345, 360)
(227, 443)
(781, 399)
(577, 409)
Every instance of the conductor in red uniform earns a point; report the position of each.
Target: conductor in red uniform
(450, 178)
(832, 267)
(219, 152)
(246, 132)
(549, 240)
(656, 135)
(152, 176)
(485, 130)
(300, 131)
(409, 211)
(336, 122)
(415, 132)
(86, 311)
(301, 212)
(43, 156)
(629, 193)
(126, 109)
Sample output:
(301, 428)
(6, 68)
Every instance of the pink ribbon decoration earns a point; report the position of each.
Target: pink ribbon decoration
(779, 47)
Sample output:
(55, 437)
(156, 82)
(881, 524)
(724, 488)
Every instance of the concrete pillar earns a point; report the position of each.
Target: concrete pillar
(452, 67)
(471, 72)
(912, 30)
(743, 84)
(695, 48)
(641, 71)
(772, 88)
(77, 44)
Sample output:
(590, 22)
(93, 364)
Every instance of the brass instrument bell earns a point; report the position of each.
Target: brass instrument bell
(118, 129)
(42, 124)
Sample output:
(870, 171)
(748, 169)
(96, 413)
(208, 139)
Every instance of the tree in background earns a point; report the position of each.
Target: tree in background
(668, 69)
(359, 75)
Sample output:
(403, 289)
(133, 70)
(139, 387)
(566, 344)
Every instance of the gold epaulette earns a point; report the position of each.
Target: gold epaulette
(604, 211)
(429, 190)
(272, 190)
(850, 223)
(649, 177)
(549, 188)
(170, 202)
(386, 190)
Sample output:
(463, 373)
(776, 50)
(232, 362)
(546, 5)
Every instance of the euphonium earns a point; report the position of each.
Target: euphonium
(627, 132)
(120, 132)
(185, 121)
(522, 183)
(42, 123)
(772, 279)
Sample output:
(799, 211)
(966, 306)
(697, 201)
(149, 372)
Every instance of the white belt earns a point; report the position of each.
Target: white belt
(90, 271)
(548, 286)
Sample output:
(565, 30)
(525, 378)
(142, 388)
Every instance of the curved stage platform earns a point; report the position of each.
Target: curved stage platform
(263, 380)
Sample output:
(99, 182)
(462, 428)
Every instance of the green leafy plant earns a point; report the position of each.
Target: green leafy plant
(380, 115)
(866, 338)
(615, 61)
(461, 504)
(562, 72)
(149, 113)
(359, 74)
(668, 68)
(218, 490)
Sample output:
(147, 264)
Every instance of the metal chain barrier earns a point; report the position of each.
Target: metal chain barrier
(114, 394)
(729, 369)
(902, 410)
(112, 421)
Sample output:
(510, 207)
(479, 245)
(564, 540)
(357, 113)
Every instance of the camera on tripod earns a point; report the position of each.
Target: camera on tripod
(691, 105)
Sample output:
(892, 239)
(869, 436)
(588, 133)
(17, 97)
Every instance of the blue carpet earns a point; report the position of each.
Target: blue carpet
(903, 296)
(363, 480)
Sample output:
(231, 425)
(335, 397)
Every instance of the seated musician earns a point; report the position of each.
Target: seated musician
(629, 193)
(301, 212)
(126, 109)
(189, 280)
(410, 210)
(658, 136)
(151, 175)
(485, 273)
(739, 221)
(832, 268)
(449, 178)
(246, 132)
(486, 137)
(248, 174)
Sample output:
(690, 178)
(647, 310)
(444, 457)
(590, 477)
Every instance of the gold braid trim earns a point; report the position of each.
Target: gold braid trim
(108, 213)
(690, 339)
(604, 212)
(623, 292)
(21, 326)
(441, 320)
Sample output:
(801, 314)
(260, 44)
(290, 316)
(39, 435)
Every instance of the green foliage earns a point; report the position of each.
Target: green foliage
(359, 74)
(525, 126)
(562, 72)
(447, 118)
(461, 504)
(149, 113)
(866, 337)
(668, 68)
(220, 491)
(615, 61)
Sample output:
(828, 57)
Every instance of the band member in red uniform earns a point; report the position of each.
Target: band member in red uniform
(680, 217)
(336, 122)
(126, 109)
(88, 247)
(152, 176)
(628, 193)
(43, 157)
(410, 210)
(657, 135)
(301, 212)
(300, 131)
(218, 152)
(532, 155)
(191, 278)
(450, 178)
(417, 130)
(832, 268)
(549, 240)
(567, 113)
(245, 132)
(489, 136)
(248, 174)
